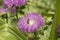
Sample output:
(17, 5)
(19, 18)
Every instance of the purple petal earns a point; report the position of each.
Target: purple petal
(8, 3)
(3, 10)
(22, 2)
(13, 9)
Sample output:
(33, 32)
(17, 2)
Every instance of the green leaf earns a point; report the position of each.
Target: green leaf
(7, 36)
(56, 23)
(58, 38)
(15, 28)
(12, 30)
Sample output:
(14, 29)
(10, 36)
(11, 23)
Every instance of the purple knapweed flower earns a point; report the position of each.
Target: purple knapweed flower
(31, 22)
(58, 31)
(12, 4)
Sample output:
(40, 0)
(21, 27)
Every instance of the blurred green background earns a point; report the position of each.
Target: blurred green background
(10, 31)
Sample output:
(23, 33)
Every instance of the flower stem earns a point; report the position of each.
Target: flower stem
(56, 23)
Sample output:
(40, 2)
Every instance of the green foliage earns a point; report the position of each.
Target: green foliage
(9, 23)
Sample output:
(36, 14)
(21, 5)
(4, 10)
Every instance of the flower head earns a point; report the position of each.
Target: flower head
(58, 31)
(31, 22)
(12, 4)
